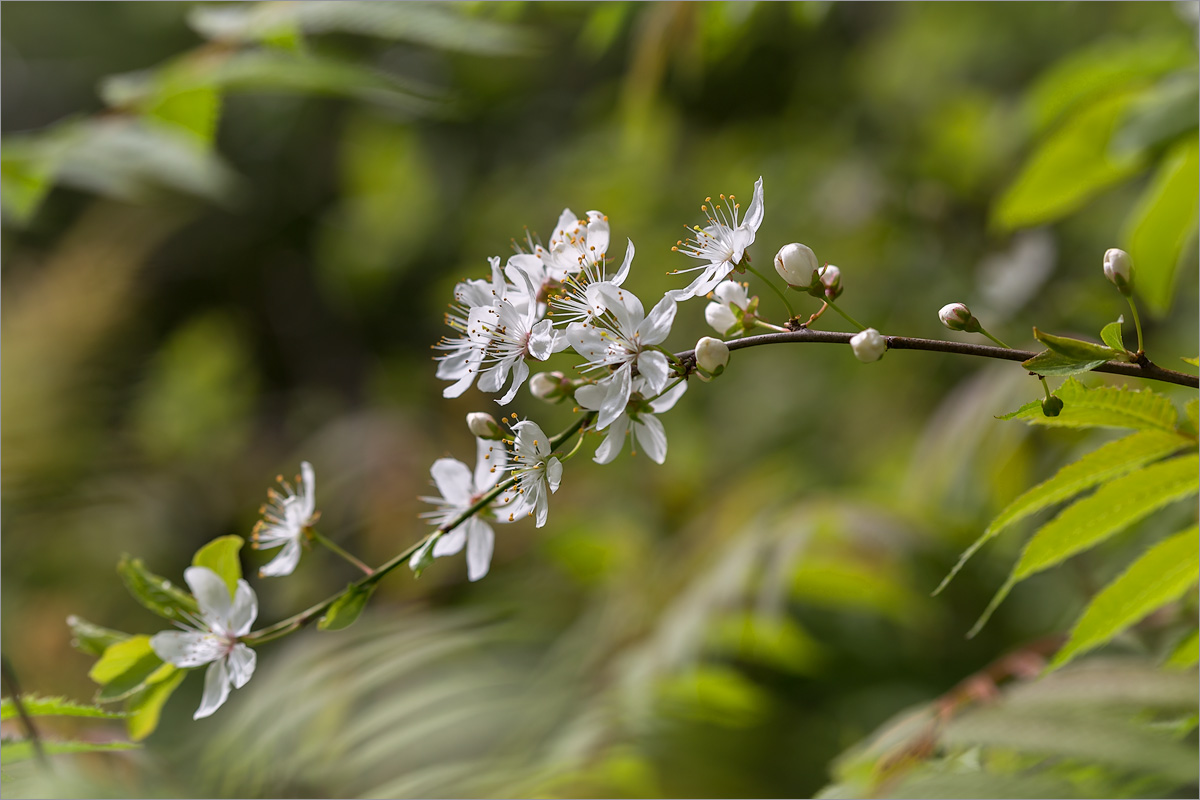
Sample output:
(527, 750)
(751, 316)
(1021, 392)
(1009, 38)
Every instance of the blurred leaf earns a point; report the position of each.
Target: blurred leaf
(1099, 466)
(1158, 577)
(26, 175)
(778, 643)
(1160, 114)
(1192, 413)
(90, 638)
(1186, 653)
(145, 705)
(1052, 364)
(715, 695)
(1163, 222)
(37, 706)
(221, 556)
(126, 667)
(195, 111)
(1110, 510)
(1103, 407)
(1111, 335)
(156, 593)
(13, 752)
(1076, 349)
(1071, 165)
(1195, 362)
(347, 608)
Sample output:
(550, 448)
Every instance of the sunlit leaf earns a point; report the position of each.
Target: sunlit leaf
(1051, 364)
(155, 592)
(90, 638)
(1158, 577)
(36, 706)
(1104, 407)
(126, 667)
(1076, 349)
(1186, 653)
(347, 608)
(145, 706)
(221, 556)
(1111, 335)
(1195, 362)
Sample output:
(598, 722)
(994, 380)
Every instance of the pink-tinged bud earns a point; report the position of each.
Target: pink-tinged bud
(831, 279)
(711, 354)
(484, 425)
(868, 345)
(545, 385)
(957, 317)
(1118, 268)
(796, 263)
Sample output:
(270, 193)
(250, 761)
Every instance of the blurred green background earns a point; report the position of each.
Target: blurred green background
(229, 236)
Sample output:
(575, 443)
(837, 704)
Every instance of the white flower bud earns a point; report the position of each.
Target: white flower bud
(831, 279)
(484, 425)
(711, 354)
(1118, 268)
(957, 317)
(796, 264)
(720, 316)
(544, 385)
(868, 345)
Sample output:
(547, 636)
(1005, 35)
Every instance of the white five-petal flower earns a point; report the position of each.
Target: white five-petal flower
(474, 303)
(214, 638)
(722, 243)
(537, 472)
(638, 420)
(513, 335)
(285, 518)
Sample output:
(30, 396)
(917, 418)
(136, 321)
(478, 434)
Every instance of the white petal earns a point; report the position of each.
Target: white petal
(519, 373)
(481, 541)
(754, 214)
(591, 396)
(186, 648)
(241, 664)
(541, 509)
(468, 377)
(450, 543)
(597, 235)
(612, 443)
(490, 461)
(541, 340)
(216, 689)
(553, 473)
(453, 480)
(624, 305)
(308, 484)
(211, 593)
(654, 368)
(492, 378)
(616, 398)
(669, 398)
(731, 292)
(284, 563)
(245, 609)
(623, 272)
(650, 435)
(656, 327)
(719, 316)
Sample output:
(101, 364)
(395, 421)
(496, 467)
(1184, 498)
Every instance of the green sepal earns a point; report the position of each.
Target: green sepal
(1111, 335)
(221, 556)
(126, 667)
(155, 592)
(1056, 365)
(347, 608)
(1077, 349)
(92, 639)
(423, 557)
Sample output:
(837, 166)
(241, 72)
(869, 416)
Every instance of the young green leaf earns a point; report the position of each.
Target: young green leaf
(1110, 510)
(90, 638)
(1195, 362)
(125, 668)
(1103, 464)
(1186, 653)
(221, 556)
(1162, 574)
(1192, 413)
(36, 706)
(155, 592)
(12, 752)
(1056, 365)
(1076, 349)
(346, 609)
(1104, 407)
(1111, 335)
(146, 704)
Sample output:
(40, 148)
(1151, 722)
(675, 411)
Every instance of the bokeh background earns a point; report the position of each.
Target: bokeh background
(229, 236)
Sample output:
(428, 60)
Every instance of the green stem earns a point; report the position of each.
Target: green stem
(849, 318)
(331, 545)
(1137, 323)
(758, 323)
(1045, 387)
(993, 338)
(775, 289)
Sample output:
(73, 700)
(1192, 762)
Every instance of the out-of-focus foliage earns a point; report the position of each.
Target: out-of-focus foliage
(229, 234)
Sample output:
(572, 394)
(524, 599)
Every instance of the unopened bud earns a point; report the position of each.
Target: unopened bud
(484, 425)
(957, 317)
(711, 354)
(868, 345)
(831, 280)
(797, 264)
(547, 385)
(1052, 406)
(1118, 268)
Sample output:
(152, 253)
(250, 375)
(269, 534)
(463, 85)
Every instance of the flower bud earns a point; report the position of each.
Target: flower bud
(484, 425)
(797, 264)
(957, 317)
(711, 354)
(546, 385)
(868, 345)
(1118, 268)
(1052, 406)
(720, 317)
(831, 279)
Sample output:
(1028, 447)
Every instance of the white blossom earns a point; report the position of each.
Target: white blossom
(537, 472)
(719, 313)
(513, 335)
(473, 305)
(722, 243)
(214, 638)
(581, 298)
(286, 516)
(868, 345)
(637, 420)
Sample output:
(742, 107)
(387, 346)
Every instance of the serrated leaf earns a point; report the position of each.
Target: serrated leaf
(146, 704)
(1110, 510)
(125, 668)
(1103, 464)
(1055, 365)
(1111, 335)
(1076, 349)
(91, 638)
(347, 608)
(221, 556)
(14, 752)
(1186, 654)
(36, 706)
(155, 592)
(1192, 413)
(1159, 576)
(1104, 407)
(1163, 222)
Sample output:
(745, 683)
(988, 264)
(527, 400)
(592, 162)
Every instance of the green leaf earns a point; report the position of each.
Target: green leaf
(1110, 334)
(155, 592)
(1192, 412)
(146, 704)
(14, 752)
(1160, 114)
(36, 706)
(1103, 464)
(1076, 349)
(1110, 510)
(221, 556)
(126, 667)
(1071, 165)
(1163, 222)
(1159, 576)
(1052, 364)
(1195, 362)
(195, 111)
(346, 609)
(1104, 407)
(1186, 654)
(26, 176)
(90, 638)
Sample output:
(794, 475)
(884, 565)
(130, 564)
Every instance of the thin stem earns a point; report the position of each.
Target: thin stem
(774, 288)
(758, 323)
(330, 544)
(849, 318)
(1046, 388)
(1137, 323)
(993, 338)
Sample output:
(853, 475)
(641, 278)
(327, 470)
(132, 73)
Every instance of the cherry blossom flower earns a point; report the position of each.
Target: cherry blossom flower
(472, 310)
(285, 519)
(638, 420)
(582, 297)
(576, 244)
(722, 243)
(513, 336)
(537, 472)
(214, 638)
(719, 313)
